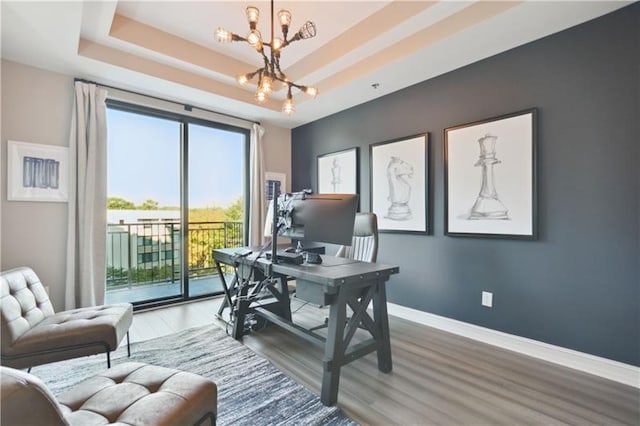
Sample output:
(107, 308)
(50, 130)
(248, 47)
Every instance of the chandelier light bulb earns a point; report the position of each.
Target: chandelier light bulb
(243, 79)
(287, 107)
(285, 18)
(223, 36)
(252, 14)
(277, 43)
(266, 84)
(254, 38)
(311, 91)
(261, 97)
(308, 30)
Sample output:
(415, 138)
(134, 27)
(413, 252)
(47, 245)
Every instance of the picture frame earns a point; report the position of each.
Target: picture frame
(339, 172)
(490, 177)
(37, 172)
(269, 178)
(399, 182)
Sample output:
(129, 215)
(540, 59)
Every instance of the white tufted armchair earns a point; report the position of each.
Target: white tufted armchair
(33, 333)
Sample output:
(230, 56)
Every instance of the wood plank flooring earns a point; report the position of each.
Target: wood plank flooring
(437, 377)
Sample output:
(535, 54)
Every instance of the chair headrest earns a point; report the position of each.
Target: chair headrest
(366, 224)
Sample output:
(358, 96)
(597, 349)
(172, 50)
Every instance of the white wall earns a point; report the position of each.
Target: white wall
(36, 108)
(277, 150)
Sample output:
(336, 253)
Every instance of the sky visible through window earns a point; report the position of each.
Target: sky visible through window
(143, 160)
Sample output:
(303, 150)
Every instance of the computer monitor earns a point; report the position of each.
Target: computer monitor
(326, 218)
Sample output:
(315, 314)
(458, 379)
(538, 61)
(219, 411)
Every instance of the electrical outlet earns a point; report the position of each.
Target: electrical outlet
(487, 299)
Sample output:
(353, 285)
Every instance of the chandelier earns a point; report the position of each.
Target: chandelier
(270, 73)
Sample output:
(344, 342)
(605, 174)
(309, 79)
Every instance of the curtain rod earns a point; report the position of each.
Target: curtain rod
(186, 107)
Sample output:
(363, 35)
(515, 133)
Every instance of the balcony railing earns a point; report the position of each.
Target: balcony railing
(144, 253)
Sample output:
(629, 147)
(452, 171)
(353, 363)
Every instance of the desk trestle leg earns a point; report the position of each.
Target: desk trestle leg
(334, 350)
(382, 322)
(338, 351)
(239, 312)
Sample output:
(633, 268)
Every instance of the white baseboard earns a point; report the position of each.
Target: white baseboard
(603, 367)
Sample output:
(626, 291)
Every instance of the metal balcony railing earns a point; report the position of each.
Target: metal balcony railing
(143, 253)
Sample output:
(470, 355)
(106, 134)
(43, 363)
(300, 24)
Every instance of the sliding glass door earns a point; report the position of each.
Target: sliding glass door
(216, 202)
(175, 188)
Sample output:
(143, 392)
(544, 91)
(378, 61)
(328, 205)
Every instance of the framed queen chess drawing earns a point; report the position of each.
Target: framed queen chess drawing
(490, 177)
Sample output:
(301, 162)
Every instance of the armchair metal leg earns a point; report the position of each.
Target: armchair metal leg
(128, 351)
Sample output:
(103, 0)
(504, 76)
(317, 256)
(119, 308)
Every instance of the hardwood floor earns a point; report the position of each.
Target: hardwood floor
(437, 377)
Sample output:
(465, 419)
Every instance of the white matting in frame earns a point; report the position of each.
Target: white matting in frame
(400, 185)
(37, 172)
(338, 172)
(490, 177)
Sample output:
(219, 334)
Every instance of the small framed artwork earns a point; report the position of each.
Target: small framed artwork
(269, 178)
(37, 172)
(338, 172)
(399, 178)
(490, 177)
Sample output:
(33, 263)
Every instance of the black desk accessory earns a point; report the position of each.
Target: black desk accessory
(283, 256)
(314, 258)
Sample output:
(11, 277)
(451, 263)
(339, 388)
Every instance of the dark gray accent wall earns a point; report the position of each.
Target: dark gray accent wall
(578, 284)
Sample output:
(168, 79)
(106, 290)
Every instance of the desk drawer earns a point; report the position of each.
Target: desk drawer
(313, 293)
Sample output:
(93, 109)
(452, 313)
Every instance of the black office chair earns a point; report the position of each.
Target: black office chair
(364, 245)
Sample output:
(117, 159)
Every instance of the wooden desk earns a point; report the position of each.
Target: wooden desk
(336, 283)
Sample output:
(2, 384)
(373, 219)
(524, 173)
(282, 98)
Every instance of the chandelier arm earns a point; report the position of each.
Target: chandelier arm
(273, 71)
(283, 79)
(294, 38)
(267, 65)
(266, 60)
(297, 86)
(272, 21)
(277, 66)
(251, 75)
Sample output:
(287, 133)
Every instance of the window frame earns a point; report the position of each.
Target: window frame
(184, 121)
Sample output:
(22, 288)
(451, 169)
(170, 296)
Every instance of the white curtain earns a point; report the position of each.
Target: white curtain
(87, 224)
(256, 186)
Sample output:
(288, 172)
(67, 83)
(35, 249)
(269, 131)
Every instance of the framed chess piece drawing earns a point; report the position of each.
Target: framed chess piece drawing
(490, 177)
(399, 177)
(338, 172)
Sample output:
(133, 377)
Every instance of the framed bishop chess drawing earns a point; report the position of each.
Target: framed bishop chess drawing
(338, 172)
(490, 177)
(399, 177)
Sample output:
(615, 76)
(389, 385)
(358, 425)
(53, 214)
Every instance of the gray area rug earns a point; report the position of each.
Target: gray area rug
(251, 391)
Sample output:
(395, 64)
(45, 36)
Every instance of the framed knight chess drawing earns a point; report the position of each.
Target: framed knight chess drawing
(490, 177)
(399, 182)
(338, 172)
